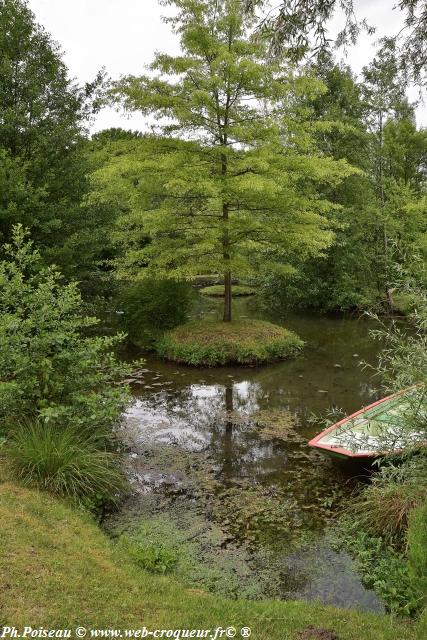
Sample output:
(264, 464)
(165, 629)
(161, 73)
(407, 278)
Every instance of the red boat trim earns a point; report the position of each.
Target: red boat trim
(346, 452)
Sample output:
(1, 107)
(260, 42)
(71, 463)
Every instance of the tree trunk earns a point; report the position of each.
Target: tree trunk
(226, 256)
(227, 296)
(389, 297)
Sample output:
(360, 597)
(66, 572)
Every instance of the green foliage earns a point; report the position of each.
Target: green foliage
(417, 550)
(41, 126)
(385, 526)
(403, 363)
(383, 508)
(390, 556)
(380, 225)
(216, 343)
(152, 307)
(48, 367)
(239, 180)
(61, 460)
(382, 568)
(154, 558)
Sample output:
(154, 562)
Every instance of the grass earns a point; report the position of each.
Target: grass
(385, 530)
(61, 461)
(217, 291)
(417, 549)
(383, 507)
(211, 343)
(58, 570)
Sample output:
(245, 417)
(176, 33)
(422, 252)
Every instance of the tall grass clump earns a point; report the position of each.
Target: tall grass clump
(62, 461)
(383, 507)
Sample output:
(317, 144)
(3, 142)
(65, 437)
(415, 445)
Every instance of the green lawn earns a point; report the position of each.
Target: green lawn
(57, 569)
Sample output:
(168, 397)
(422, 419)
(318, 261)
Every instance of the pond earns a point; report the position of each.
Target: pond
(220, 467)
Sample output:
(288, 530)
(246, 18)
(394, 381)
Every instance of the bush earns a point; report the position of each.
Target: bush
(61, 461)
(218, 343)
(50, 368)
(153, 306)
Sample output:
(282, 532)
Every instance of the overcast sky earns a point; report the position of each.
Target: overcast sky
(122, 36)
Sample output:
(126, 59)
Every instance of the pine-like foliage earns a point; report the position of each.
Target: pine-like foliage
(236, 183)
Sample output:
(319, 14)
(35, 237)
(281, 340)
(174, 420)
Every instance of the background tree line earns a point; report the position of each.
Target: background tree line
(80, 196)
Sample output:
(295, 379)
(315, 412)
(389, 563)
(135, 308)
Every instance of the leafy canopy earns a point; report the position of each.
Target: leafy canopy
(234, 175)
(50, 367)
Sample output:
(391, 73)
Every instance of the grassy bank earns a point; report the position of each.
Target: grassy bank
(58, 570)
(210, 342)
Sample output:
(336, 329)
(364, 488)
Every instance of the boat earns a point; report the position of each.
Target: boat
(375, 430)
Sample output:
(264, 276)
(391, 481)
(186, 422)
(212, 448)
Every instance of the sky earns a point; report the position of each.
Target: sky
(123, 35)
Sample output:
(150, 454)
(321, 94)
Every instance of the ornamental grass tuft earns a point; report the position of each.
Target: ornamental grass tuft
(63, 462)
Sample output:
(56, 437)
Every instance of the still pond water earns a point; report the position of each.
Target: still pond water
(218, 460)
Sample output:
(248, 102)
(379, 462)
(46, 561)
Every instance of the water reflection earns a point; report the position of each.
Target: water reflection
(231, 442)
(219, 411)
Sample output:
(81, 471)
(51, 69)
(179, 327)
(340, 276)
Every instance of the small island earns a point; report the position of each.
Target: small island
(244, 341)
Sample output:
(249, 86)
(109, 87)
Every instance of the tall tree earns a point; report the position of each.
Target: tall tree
(237, 185)
(42, 119)
(388, 115)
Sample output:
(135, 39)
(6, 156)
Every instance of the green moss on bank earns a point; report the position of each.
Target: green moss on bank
(217, 291)
(58, 570)
(218, 343)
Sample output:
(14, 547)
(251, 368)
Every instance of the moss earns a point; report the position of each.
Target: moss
(58, 570)
(217, 291)
(217, 343)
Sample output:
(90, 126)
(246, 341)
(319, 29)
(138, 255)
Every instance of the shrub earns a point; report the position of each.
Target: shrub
(218, 343)
(153, 306)
(49, 367)
(61, 461)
